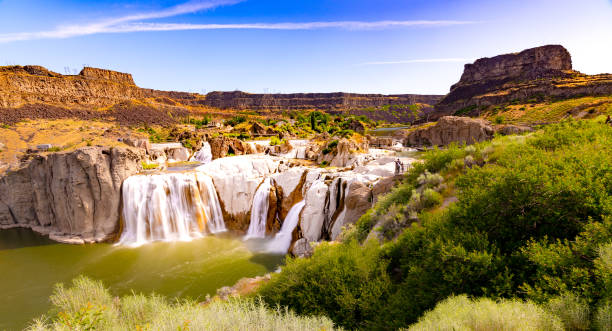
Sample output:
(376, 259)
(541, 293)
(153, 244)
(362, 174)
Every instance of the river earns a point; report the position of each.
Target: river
(32, 264)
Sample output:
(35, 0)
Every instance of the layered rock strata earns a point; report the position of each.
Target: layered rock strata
(533, 74)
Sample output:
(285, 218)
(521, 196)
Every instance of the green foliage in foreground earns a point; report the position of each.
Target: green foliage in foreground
(462, 313)
(87, 305)
(533, 221)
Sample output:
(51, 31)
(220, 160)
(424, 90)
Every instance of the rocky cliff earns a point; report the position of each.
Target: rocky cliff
(32, 91)
(322, 101)
(73, 196)
(533, 74)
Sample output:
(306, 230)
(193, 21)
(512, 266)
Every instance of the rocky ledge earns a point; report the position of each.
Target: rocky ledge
(73, 197)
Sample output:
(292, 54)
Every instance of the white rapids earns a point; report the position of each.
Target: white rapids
(204, 155)
(282, 241)
(169, 207)
(259, 211)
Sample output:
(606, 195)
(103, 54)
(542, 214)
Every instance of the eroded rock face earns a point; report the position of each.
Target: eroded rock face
(450, 129)
(540, 72)
(73, 196)
(538, 62)
(236, 180)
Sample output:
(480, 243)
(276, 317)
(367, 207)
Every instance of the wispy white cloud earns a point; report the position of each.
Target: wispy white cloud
(112, 24)
(133, 23)
(443, 60)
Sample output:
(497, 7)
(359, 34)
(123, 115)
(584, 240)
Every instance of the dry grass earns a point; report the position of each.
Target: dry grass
(585, 107)
(461, 313)
(67, 134)
(87, 305)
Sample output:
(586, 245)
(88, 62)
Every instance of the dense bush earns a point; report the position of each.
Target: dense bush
(87, 305)
(347, 283)
(533, 220)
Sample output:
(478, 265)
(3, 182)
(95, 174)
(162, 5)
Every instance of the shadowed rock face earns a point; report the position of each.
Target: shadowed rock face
(73, 196)
(537, 72)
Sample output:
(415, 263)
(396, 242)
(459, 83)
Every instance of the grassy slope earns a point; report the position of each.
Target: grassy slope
(516, 197)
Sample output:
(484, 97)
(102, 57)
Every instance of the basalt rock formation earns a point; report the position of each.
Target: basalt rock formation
(322, 101)
(71, 196)
(533, 74)
(36, 92)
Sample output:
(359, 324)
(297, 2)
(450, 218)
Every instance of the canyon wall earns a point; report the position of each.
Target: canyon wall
(539, 74)
(72, 196)
(100, 88)
(323, 101)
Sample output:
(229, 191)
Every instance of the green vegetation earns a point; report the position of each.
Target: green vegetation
(87, 305)
(148, 166)
(532, 221)
(462, 313)
(236, 120)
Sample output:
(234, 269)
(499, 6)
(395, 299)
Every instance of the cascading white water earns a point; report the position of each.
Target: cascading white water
(281, 242)
(259, 211)
(204, 155)
(169, 207)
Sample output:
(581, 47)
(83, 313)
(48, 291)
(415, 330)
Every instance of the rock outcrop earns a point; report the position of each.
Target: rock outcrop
(71, 196)
(450, 129)
(533, 74)
(224, 146)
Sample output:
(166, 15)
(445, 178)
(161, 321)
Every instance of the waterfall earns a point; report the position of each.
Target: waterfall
(259, 211)
(170, 206)
(281, 242)
(204, 155)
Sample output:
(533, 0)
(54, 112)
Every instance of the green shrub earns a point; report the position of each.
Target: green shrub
(346, 282)
(430, 198)
(274, 141)
(499, 119)
(87, 305)
(462, 313)
(148, 166)
(236, 120)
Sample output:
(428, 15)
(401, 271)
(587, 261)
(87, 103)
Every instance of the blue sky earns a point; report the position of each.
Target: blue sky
(376, 46)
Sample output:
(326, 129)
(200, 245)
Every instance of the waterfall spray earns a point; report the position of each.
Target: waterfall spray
(281, 242)
(204, 155)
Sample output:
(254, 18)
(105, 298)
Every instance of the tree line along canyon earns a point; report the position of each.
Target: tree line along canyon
(354, 211)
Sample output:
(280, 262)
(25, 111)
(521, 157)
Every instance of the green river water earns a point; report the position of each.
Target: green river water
(30, 265)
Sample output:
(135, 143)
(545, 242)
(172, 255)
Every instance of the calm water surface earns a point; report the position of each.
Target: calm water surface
(30, 265)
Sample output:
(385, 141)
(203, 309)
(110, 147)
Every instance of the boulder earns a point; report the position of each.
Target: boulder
(508, 129)
(72, 196)
(138, 143)
(302, 248)
(223, 146)
(450, 129)
(180, 154)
